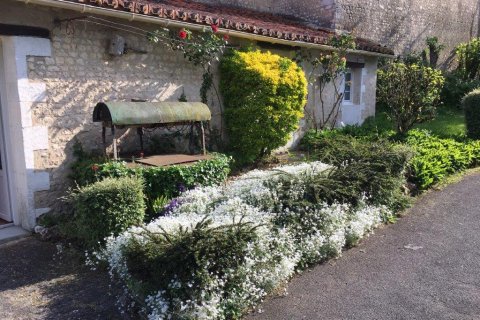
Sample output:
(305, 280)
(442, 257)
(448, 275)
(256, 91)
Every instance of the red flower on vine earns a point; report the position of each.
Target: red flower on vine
(226, 37)
(182, 34)
(95, 167)
(214, 27)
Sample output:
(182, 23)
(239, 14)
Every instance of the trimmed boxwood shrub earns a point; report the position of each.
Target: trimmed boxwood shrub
(264, 96)
(471, 104)
(163, 182)
(106, 208)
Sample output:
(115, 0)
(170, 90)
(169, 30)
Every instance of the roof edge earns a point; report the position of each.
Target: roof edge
(130, 16)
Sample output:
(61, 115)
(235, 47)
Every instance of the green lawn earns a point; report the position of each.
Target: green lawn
(449, 123)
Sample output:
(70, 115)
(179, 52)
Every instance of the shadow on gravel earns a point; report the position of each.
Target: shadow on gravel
(38, 283)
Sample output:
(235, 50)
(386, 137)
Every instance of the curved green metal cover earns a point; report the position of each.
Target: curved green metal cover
(143, 113)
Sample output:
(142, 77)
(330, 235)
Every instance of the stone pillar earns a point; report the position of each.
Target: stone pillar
(22, 136)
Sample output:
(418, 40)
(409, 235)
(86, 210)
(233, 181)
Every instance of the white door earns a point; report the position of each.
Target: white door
(352, 114)
(4, 196)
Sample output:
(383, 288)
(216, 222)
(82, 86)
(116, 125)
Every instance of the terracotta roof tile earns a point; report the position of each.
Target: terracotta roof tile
(244, 20)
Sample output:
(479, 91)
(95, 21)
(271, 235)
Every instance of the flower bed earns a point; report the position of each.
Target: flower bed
(220, 250)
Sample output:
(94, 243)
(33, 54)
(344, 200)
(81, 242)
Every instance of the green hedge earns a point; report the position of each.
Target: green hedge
(106, 208)
(471, 104)
(163, 182)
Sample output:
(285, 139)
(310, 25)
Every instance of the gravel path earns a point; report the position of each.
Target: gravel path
(38, 283)
(426, 266)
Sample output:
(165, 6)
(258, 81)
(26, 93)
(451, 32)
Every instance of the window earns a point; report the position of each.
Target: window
(352, 84)
(347, 87)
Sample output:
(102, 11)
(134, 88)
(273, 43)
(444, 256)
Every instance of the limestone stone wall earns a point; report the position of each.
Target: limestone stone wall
(404, 25)
(79, 73)
(400, 24)
(314, 12)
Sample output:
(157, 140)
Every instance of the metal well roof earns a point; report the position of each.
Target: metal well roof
(145, 113)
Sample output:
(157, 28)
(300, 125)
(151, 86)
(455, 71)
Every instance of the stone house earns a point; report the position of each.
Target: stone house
(55, 66)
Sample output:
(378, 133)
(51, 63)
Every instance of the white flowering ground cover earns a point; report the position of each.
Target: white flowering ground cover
(221, 250)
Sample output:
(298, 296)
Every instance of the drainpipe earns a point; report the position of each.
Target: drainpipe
(84, 8)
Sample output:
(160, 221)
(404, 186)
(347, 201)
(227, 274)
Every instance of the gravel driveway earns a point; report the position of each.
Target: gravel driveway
(38, 283)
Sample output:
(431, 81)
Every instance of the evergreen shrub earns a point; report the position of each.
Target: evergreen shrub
(468, 57)
(471, 105)
(410, 93)
(107, 207)
(365, 167)
(264, 96)
(456, 88)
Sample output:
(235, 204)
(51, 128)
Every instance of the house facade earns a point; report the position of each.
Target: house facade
(55, 65)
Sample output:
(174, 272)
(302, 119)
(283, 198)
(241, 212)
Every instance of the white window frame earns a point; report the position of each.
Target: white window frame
(344, 85)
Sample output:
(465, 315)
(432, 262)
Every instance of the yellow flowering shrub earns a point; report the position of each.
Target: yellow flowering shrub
(264, 96)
